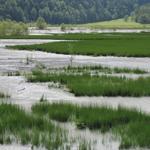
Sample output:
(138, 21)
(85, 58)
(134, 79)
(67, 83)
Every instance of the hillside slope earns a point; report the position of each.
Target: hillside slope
(117, 24)
(67, 11)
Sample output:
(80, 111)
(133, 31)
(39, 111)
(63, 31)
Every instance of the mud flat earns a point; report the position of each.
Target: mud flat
(11, 61)
(15, 60)
(57, 30)
(5, 42)
(96, 139)
(14, 147)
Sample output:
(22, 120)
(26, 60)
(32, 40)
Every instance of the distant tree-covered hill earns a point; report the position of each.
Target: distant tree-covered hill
(142, 14)
(67, 11)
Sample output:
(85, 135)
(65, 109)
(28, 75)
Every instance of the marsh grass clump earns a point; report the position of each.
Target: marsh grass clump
(103, 69)
(3, 95)
(135, 134)
(27, 128)
(28, 60)
(83, 145)
(131, 125)
(16, 73)
(127, 70)
(87, 85)
(97, 70)
(43, 99)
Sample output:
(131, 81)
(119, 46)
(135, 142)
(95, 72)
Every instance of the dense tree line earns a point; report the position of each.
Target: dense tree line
(67, 11)
(142, 15)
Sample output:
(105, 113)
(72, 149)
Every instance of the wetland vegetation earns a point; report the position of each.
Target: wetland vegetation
(80, 36)
(41, 125)
(19, 126)
(94, 85)
(131, 125)
(95, 70)
(37, 128)
(129, 45)
(3, 95)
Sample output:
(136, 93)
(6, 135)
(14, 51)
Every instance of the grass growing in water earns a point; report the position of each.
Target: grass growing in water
(131, 125)
(87, 85)
(95, 70)
(81, 36)
(3, 95)
(111, 45)
(18, 126)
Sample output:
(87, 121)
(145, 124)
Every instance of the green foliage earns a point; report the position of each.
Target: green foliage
(40, 23)
(11, 28)
(126, 18)
(63, 27)
(131, 125)
(142, 15)
(64, 11)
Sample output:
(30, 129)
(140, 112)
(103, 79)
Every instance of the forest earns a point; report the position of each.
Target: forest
(67, 11)
(142, 15)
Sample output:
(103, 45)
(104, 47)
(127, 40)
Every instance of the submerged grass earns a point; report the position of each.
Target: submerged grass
(116, 24)
(136, 45)
(87, 85)
(131, 125)
(17, 126)
(3, 95)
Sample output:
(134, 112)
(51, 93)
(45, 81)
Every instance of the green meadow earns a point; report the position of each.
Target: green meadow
(129, 45)
(79, 36)
(117, 24)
